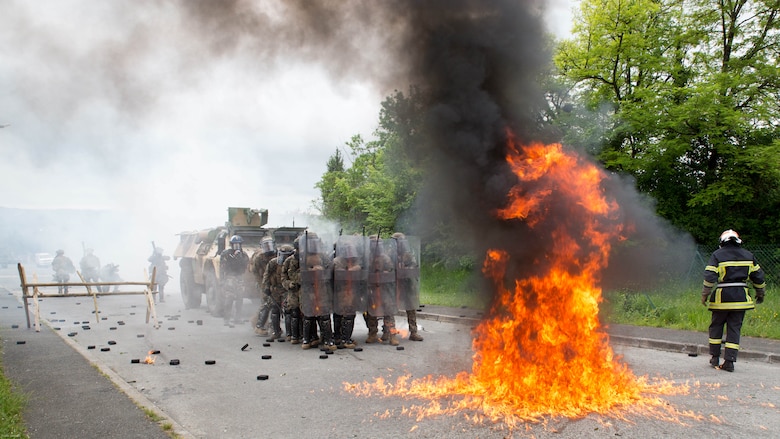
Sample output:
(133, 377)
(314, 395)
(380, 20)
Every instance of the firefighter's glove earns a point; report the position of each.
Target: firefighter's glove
(705, 293)
(759, 295)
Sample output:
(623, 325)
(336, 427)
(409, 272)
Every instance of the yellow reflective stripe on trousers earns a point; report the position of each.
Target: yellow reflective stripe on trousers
(715, 341)
(732, 346)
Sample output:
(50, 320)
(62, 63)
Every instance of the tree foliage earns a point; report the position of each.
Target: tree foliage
(379, 189)
(682, 95)
(679, 94)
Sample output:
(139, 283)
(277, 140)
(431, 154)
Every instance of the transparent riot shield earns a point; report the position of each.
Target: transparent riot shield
(316, 276)
(350, 275)
(381, 277)
(407, 279)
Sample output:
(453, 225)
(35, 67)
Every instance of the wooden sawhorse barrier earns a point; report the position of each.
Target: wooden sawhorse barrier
(148, 292)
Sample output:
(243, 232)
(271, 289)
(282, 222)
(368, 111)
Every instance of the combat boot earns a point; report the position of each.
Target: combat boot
(728, 366)
(308, 329)
(327, 333)
(347, 327)
(261, 318)
(276, 325)
(390, 338)
(338, 336)
(373, 328)
(373, 337)
(295, 329)
(411, 316)
(288, 326)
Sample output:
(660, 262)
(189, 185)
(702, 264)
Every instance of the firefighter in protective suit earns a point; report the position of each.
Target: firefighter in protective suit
(232, 266)
(726, 289)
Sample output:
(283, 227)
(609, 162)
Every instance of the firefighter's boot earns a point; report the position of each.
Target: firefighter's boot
(715, 361)
(411, 317)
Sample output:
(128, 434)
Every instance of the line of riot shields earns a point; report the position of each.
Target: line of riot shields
(359, 273)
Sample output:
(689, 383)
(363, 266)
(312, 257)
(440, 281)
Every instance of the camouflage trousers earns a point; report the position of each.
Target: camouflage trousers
(292, 300)
(232, 292)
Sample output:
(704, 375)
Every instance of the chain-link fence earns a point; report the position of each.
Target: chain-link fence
(767, 255)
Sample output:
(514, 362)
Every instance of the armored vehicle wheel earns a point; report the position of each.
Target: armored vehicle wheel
(213, 296)
(190, 291)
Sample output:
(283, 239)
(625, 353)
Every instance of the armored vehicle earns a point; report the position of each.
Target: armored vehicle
(199, 252)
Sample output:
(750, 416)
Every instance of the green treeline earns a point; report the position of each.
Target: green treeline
(680, 95)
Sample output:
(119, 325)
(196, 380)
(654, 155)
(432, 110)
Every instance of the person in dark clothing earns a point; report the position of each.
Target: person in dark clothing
(726, 289)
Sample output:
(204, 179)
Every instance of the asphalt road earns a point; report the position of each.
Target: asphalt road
(304, 394)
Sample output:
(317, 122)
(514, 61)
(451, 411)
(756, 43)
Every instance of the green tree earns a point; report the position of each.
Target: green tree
(380, 187)
(681, 94)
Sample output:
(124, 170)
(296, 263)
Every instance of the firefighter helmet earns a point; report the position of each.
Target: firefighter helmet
(729, 235)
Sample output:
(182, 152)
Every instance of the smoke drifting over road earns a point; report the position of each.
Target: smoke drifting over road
(159, 104)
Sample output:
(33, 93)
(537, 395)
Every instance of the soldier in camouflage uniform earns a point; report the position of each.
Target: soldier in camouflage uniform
(158, 260)
(63, 268)
(316, 274)
(232, 266)
(291, 281)
(381, 293)
(350, 276)
(407, 283)
(272, 286)
(90, 266)
(257, 266)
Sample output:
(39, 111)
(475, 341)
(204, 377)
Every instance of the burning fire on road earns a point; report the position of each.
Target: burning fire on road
(150, 359)
(541, 351)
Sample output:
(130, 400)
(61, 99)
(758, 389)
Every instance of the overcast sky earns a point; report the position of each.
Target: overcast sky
(129, 105)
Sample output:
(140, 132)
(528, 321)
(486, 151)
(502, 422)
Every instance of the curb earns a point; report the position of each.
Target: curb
(646, 343)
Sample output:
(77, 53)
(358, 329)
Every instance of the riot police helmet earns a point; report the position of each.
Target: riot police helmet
(235, 242)
(284, 252)
(267, 245)
(402, 244)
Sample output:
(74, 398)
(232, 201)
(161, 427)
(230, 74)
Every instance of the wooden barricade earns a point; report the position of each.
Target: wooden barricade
(148, 292)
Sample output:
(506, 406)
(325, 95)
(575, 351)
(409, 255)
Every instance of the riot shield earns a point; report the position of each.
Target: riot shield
(316, 275)
(381, 277)
(350, 275)
(407, 280)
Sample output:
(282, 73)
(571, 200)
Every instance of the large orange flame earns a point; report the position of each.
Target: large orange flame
(542, 350)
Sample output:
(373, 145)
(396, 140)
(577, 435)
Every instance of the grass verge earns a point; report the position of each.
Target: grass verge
(676, 307)
(680, 308)
(11, 406)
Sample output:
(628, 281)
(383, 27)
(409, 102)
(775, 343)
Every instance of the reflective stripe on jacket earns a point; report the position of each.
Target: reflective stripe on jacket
(727, 273)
